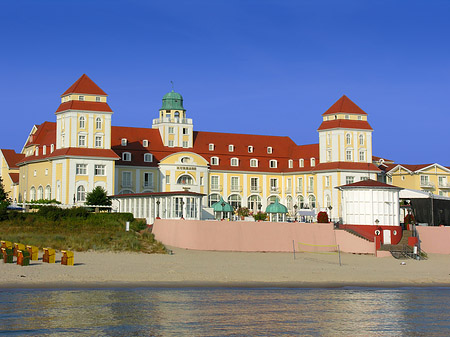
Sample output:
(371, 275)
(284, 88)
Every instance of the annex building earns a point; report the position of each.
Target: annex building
(66, 158)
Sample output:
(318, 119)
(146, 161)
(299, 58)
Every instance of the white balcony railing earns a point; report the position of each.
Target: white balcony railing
(274, 189)
(444, 184)
(172, 120)
(235, 188)
(216, 188)
(255, 189)
(426, 184)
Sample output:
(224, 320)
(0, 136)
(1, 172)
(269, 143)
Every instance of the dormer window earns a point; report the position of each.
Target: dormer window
(82, 122)
(36, 151)
(52, 148)
(211, 147)
(81, 98)
(124, 142)
(253, 162)
(126, 156)
(145, 143)
(234, 162)
(290, 163)
(214, 160)
(273, 163)
(269, 149)
(230, 148)
(148, 157)
(98, 99)
(347, 117)
(313, 162)
(335, 116)
(250, 149)
(360, 118)
(44, 150)
(301, 162)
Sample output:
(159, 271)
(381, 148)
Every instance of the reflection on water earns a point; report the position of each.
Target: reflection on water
(226, 312)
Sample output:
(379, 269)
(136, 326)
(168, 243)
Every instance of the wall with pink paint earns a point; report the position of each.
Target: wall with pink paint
(265, 236)
(434, 239)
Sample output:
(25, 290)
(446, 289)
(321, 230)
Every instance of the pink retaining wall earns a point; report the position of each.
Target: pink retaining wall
(434, 239)
(245, 236)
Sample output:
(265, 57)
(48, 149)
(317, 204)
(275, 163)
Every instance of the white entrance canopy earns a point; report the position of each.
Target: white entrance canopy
(417, 194)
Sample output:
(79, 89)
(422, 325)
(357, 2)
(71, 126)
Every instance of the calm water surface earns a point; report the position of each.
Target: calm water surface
(226, 312)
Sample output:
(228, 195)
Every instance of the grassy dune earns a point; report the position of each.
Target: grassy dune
(79, 230)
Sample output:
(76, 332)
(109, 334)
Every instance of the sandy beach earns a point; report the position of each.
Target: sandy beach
(227, 269)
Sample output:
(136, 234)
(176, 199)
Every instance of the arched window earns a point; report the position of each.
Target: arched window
(313, 162)
(328, 201)
(148, 157)
(290, 163)
(185, 160)
(176, 114)
(272, 199)
(40, 193)
(254, 203)
(361, 139)
(312, 201)
(82, 122)
(348, 139)
(289, 202)
(98, 123)
(301, 162)
(235, 201)
(81, 193)
(126, 156)
(300, 202)
(185, 179)
(213, 198)
(32, 193)
(48, 192)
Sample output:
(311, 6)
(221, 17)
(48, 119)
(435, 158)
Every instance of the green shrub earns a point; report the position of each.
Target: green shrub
(260, 216)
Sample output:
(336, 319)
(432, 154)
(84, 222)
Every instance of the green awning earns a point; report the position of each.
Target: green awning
(222, 206)
(276, 207)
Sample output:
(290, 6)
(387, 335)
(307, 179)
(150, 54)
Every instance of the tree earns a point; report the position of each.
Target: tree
(4, 200)
(99, 197)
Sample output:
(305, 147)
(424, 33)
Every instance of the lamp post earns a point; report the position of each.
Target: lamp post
(157, 208)
(295, 212)
(223, 209)
(182, 204)
(330, 208)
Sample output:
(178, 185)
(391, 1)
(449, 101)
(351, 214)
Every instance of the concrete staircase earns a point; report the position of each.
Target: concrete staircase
(401, 249)
(351, 231)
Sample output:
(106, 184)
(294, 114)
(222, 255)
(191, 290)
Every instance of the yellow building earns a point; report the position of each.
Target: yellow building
(66, 159)
(9, 171)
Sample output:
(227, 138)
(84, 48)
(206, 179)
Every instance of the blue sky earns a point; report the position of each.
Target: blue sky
(260, 67)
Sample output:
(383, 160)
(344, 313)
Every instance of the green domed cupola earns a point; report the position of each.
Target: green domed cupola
(172, 101)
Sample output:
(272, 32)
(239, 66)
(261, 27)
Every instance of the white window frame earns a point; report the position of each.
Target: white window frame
(361, 139)
(82, 122)
(250, 149)
(301, 162)
(362, 156)
(349, 180)
(127, 179)
(273, 163)
(100, 139)
(148, 179)
(234, 161)
(81, 98)
(171, 143)
(171, 130)
(98, 99)
(145, 143)
(99, 170)
(312, 162)
(98, 123)
(215, 161)
(148, 157)
(348, 155)
(230, 148)
(81, 169)
(185, 143)
(126, 156)
(124, 142)
(211, 147)
(290, 163)
(348, 138)
(269, 150)
(82, 140)
(253, 162)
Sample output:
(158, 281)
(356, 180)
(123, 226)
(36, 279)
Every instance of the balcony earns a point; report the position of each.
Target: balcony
(255, 189)
(274, 189)
(427, 185)
(235, 188)
(147, 185)
(178, 120)
(216, 188)
(444, 185)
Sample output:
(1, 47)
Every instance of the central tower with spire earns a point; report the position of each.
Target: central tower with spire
(176, 130)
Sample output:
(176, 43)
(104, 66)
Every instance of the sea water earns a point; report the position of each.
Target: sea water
(226, 312)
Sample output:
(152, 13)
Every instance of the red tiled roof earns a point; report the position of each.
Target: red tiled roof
(386, 161)
(84, 105)
(72, 152)
(409, 167)
(84, 85)
(346, 166)
(344, 124)
(370, 183)
(344, 105)
(12, 158)
(44, 135)
(14, 177)
(156, 194)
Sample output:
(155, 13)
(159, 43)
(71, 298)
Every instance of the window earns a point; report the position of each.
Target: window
(44, 150)
(442, 181)
(254, 203)
(389, 179)
(273, 185)
(361, 139)
(124, 142)
(52, 148)
(288, 185)
(362, 156)
(234, 162)
(235, 201)
(81, 193)
(99, 170)
(254, 184)
(81, 140)
(364, 178)
(81, 98)
(213, 198)
(328, 201)
(272, 199)
(424, 180)
(301, 162)
(82, 122)
(230, 148)
(253, 162)
(215, 183)
(48, 192)
(311, 184)
(98, 99)
(272, 163)
(301, 202)
(126, 179)
(98, 141)
(62, 140)
(126, 156)
(185, 180)
(171, 130)
(185, 143)
(250, 149)
(148, 157)
(81, 169)
(313, 162)
(167, 178)
(211, 147)
(347, 117)
(269, 149)
(148, 179)
(348, 155)
(300, 185)
(46, 172)
(145, 143)
(359, 118)
(328, 138)
(185, 131)
(32, 193)
(290, 163)
(185, 160)
(176, 114)
(328, 155)
(327, 181)
(348, 139)
(36, 151)
(171, 144)
(40, 193)
(98, 123)
(312, 201)
(349, 180)
(34, 173)
(235, 184)
(214, 161)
